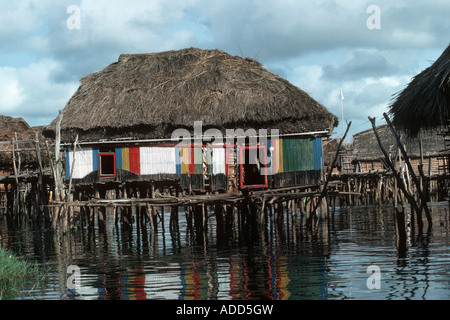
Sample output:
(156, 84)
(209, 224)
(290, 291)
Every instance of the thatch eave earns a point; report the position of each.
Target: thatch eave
(425, 102)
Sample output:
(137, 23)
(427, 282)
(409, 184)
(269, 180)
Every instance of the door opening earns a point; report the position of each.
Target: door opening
(107, 164)
(252, 171)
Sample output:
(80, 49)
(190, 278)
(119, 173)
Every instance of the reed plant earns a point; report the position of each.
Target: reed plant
(16, 275)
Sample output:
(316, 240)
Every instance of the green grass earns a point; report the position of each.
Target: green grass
(17, 274)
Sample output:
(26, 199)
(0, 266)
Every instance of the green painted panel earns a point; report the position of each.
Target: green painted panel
(298, 154)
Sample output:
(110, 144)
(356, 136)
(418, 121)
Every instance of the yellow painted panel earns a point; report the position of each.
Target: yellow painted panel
(185, 158)
(280, 155)
(125, 159)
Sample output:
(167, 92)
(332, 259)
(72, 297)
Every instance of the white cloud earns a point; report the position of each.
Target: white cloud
(10, 90)
(316, 45)
(137, 26)
(18, 18)
(367, 91)
(30, 92)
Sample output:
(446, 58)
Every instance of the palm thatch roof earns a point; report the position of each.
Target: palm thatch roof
(425, 103)
(150, 95)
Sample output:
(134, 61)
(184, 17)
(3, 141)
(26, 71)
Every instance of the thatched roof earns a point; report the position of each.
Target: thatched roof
(425, 103)
(365, 146)
(8, 128)
(150, 95)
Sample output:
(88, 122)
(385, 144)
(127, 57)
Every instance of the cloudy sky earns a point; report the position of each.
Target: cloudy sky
(371, 49)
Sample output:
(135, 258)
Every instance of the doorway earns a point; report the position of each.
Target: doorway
(107, 164)
(252, 171)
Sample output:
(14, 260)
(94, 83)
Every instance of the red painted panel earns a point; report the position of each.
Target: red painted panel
(135, 162)
(192, 161)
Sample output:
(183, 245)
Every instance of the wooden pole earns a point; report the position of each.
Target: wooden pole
(58, 168)
(41, 196)
(52, 166)
(72, 165)
(19, 162)
(114, 213)
(400, 181)
(401, 229)
(150, 214)
(16, 176)
(333, 164)
(413, 176)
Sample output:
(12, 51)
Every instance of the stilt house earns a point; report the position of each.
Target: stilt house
(203, 119)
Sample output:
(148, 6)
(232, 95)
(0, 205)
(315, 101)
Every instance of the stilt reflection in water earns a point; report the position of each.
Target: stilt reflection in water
(261, 261)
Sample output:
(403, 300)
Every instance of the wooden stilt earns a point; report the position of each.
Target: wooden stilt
(400, 181)
(401, 231)
(150, 214)
(414, 178)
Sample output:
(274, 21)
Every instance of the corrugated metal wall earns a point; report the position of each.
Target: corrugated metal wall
(83, 165)
(296, 154)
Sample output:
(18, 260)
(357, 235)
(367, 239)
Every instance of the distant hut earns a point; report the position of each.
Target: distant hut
(17, 129)
(425, 103)
(366, 156)
(126, 114)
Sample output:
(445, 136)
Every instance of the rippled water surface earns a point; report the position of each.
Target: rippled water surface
(274, 264)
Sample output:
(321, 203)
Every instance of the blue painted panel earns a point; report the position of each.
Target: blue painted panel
(67, 164)
(178, 160)
(318, 153)
(118, 158)
(94, 159)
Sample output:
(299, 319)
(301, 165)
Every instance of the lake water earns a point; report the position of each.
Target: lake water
(272, 265)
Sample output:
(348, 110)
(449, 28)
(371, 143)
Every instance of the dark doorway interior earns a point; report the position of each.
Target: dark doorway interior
(253, 172)
(107, 163)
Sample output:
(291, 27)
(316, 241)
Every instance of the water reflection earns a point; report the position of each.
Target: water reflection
(275, 263)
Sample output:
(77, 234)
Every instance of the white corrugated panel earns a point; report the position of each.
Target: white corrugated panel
(83, 163)
(157, 160)
(218, 160)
